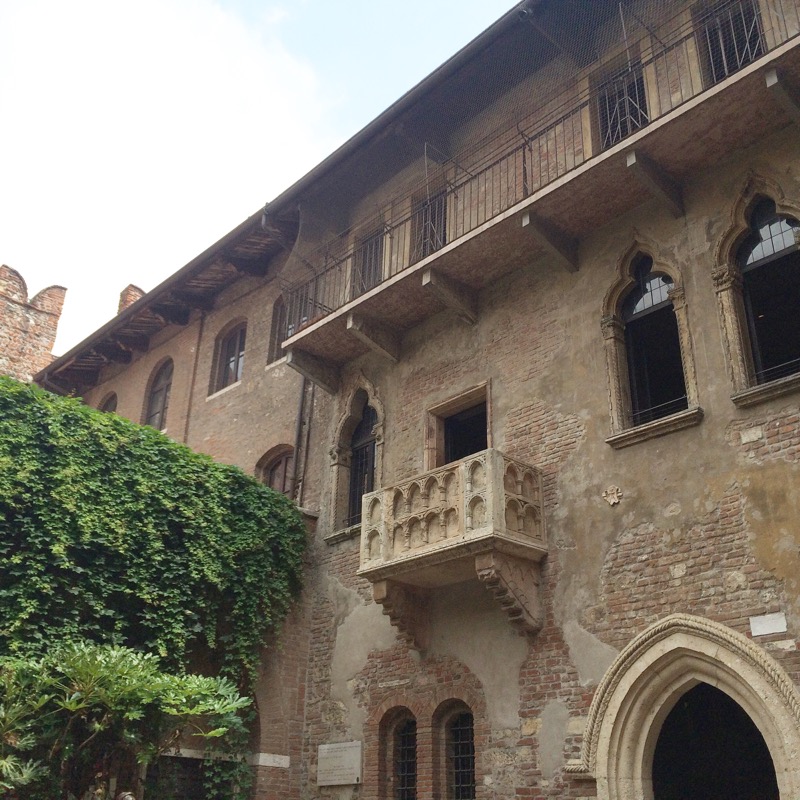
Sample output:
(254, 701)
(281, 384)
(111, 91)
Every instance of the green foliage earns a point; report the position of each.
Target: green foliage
(110, 531)
(85, 712)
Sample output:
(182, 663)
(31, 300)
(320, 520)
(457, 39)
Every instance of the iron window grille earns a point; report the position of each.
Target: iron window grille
(362, 464)
(622, 105)
(368, 264)
(770, 263)
(158, 399)
(405, 761)
(429, 226)
(655, 364)
(461, 757)
(730, 37)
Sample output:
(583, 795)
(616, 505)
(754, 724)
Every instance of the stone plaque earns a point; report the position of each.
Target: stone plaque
(339, 764)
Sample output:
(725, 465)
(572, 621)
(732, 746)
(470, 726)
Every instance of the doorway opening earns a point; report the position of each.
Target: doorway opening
(709, 748)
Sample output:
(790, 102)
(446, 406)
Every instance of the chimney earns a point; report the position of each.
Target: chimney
(128, 296)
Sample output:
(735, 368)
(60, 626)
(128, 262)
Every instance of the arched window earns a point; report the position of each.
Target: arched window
(230, 357)
(278, 331)
(397, 754)
(356, 456)
(362, 463)
(276, 469)
(655, 367)
(769, 260)
(648, 352)
(158, 397)
(109, 403)
(460, 750)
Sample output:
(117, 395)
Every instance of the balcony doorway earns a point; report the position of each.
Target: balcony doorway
(458, 428)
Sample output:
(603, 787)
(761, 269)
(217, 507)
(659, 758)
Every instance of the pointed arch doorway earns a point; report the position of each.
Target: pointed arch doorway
(629, 725)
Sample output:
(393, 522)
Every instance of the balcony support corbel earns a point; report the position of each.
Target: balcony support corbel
(377, 337)
(514, 583)
(656, 181)
(407, 610)
(563, 248)
(453, 294)
(323, 373)
(786, 97)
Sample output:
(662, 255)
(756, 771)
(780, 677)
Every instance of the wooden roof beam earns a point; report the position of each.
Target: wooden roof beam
(172, 314)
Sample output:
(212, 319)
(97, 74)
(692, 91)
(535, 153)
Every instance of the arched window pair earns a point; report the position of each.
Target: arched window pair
(229, 357)
(452, 754)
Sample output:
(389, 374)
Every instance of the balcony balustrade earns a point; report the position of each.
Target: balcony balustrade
(481, 517)
(673, 64)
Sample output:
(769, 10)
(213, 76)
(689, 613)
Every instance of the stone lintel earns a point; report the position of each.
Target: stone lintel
(786, 97)
(563, 248)
(323, 373)
(656, 181)
(379, 338)
(407, 609)
(514, 585)
(453, 294)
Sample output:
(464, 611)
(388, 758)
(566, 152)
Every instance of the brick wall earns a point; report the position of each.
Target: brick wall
(27, 327)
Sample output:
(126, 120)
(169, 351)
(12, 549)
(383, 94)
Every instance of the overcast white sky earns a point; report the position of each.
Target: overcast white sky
(135, 134)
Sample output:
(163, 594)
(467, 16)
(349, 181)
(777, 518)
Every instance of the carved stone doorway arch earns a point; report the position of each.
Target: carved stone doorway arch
(649, 676)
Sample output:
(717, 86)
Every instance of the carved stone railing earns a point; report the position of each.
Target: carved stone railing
(478, 518)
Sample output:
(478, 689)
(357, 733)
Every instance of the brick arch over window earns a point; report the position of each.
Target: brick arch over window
(657, 668)
(454, 751)
(748, 386)
(362, 394)
(636, 268)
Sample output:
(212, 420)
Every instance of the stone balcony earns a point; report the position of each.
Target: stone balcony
(480, 518)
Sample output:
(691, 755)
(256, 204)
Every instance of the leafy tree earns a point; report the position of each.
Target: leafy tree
(84, 713)
(112, 533)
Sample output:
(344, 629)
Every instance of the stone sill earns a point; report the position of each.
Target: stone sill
(660, 427)
(223, 390)
(343, 535)
(766, 391)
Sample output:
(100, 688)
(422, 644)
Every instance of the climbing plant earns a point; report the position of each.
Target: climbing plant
(111, 532)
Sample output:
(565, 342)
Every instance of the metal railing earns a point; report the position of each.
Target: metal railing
(661, 71)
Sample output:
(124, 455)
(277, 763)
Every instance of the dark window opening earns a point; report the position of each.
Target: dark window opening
(158, 400)
(278, 331)
(278, 472)
(621, 105)
(709, 748)
(429, 226)
(730, 38)
(110, 403)
(770, 264)
(465, 433)
(655, 366)
(368, 264)
(460, 742)
(231, 358)
(178, 778)
(405, 761)
(362, 464)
